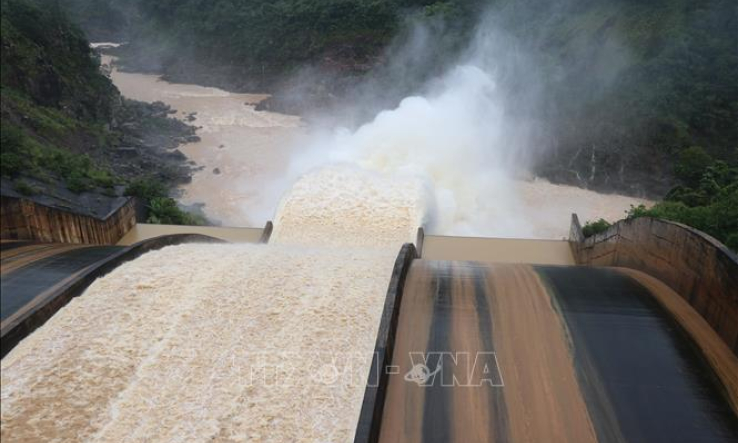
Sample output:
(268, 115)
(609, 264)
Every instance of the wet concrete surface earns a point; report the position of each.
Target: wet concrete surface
(497, 250)
(640, 373)
(29, 270)
(580, 354)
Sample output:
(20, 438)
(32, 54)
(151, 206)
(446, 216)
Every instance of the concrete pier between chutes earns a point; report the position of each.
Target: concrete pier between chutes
(497, 250)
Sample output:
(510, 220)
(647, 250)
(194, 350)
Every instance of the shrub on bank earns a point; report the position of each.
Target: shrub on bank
(162, 209)
(24, 154)
(706, 199)
(595, 227)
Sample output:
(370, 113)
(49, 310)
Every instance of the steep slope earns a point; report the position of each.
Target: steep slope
(69, 139)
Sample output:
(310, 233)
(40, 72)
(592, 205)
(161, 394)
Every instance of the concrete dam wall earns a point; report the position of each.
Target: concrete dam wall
(696, 266)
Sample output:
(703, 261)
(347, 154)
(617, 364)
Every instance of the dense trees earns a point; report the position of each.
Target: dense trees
(619, 87)
(52, 95)
(629, 84)
(706, 198)
(62, 119)
(48, 60)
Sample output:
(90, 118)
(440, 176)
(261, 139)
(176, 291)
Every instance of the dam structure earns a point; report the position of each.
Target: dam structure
(344, 321)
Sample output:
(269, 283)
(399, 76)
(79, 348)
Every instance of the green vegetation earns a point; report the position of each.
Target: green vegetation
(161, 208)
(595, 227)
(24, 188)
(261, 39)
(52, 98)
(621, 86)
(59, 112)
(706, 199)
(22, 153)
(47, 62)
(102, 20)
(146, 188)
(624, 87)
(164, 210)
(628, 84)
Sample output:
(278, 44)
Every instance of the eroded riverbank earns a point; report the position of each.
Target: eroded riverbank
(239, 151)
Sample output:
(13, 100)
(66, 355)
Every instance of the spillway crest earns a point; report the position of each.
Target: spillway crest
(224, 342)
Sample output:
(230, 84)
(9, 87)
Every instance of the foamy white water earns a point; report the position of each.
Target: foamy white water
(343, 205)
(455, 141)
(208, 343)
(204, 343)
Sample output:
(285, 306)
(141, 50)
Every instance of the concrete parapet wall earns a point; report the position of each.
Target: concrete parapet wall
(372, 407)
(144, 231)
(696, 266)
(25, 220)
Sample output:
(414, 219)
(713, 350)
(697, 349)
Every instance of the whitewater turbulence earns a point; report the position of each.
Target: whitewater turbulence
(208, 343)
(343, 205)
(454, 140)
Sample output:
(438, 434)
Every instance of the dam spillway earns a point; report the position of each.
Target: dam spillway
(278, 342)
(173, 337)
(544, 353)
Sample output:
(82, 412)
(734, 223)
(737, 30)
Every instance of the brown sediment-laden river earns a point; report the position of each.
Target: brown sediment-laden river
(240, 149)
(244, 153)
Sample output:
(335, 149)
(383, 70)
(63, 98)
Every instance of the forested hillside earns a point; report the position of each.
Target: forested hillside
(626, 85)
(53, 96)
(630, 84)
(254, 44)
(619, 90)
(68, 137)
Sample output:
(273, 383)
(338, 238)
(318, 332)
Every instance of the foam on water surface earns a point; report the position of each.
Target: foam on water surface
(343, 205)
(235, 342)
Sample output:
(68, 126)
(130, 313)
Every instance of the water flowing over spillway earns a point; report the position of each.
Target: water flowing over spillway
(224, 342)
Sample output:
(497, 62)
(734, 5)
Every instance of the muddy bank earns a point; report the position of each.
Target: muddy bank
(238, 150)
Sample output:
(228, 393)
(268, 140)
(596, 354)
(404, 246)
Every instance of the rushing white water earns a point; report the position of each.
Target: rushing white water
(456, 141)
(203, 343)
(209, 343)
(345, 205)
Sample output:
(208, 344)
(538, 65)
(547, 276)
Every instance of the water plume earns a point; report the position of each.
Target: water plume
(455, 138)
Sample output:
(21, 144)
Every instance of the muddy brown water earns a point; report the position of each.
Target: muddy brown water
(248, 147)
(252, 151)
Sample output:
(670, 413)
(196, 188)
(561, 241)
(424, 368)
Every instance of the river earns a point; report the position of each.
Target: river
(244, 155)
(239, 151)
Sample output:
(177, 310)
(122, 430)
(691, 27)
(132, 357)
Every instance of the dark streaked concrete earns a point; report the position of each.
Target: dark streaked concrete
(22, 285)
(586, 354)
(641, 374)
(696, 266)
